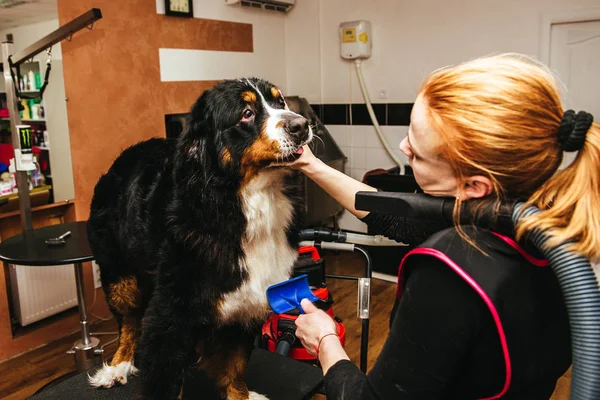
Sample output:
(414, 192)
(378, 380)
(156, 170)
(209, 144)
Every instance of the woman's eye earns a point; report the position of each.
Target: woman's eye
(247, 114)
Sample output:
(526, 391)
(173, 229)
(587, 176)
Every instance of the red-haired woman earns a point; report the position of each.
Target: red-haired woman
(480, 315)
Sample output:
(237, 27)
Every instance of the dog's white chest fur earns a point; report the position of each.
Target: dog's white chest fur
(269, 258)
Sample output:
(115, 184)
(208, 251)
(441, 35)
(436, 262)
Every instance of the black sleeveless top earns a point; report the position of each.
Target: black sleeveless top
(467, 326)
(523, 298)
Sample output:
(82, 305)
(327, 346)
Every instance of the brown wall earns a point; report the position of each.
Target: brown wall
(112, 79)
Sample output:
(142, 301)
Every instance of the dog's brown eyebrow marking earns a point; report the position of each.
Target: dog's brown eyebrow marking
(226, 156)
(275, 92)
(249, 97)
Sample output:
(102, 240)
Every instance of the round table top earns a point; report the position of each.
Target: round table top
(30, 248)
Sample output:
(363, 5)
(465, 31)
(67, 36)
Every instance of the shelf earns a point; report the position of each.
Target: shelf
(16, 213)
(32, 191)
(25, 120)
(43, 148)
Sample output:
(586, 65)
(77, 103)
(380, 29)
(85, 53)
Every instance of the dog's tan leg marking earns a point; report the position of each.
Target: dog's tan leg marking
(127, 340)
(227, 368)
(124, 297)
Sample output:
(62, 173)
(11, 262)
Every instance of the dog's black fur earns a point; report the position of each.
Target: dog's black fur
(169, 230)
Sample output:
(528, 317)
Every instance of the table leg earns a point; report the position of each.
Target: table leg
(86, 350)
(83, 319)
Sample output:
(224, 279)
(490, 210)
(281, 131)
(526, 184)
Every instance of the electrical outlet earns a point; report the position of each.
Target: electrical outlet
(96, 271)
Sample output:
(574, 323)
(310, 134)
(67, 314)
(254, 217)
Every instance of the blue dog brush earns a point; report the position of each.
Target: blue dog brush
(286, 296)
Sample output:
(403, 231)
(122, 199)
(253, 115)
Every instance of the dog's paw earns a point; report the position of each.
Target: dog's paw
(108, 375)
(257, 396)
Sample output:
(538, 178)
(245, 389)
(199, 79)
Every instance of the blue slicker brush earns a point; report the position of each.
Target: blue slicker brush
(285, 296)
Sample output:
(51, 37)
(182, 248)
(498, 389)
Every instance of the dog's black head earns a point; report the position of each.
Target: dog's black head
(242, 126)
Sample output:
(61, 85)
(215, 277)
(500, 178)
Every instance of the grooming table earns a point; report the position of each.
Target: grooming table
(30, 249)
(275, 376)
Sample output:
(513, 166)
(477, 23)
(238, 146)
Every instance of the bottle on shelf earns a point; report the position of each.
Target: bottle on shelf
(31, 81)
(36, 174)
(26, 113)
(13, 175)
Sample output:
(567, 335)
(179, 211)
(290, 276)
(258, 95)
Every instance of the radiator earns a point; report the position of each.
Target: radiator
(39, 292)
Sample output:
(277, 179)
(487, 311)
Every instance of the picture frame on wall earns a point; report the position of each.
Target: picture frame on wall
(179, 8)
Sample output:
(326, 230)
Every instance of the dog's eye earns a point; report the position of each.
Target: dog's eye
(247, 114)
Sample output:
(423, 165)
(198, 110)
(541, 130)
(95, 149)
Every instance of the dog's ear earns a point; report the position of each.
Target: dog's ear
(200, 118)
(193, 143)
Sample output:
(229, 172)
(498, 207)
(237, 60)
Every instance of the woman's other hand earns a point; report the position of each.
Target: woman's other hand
(313, 326)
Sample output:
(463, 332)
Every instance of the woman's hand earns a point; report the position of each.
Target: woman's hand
(313, 326)
(305, 161)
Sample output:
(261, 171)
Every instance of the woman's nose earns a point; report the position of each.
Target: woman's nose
(405, 148)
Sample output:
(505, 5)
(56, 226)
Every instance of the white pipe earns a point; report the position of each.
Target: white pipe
(363, 88)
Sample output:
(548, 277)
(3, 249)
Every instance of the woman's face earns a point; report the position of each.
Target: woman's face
(434, 175)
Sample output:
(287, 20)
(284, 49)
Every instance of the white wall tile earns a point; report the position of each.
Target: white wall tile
(372, 140)
(347, 150)
(342, 134)
(394, 135)
(358, 173)
(379, 158)
(359, 136)
(359, 157)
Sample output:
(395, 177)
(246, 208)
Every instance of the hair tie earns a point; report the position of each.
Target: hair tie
(573, 129)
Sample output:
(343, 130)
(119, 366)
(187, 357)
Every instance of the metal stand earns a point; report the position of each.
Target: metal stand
(15, 119)
(86, 350)
(12, 61)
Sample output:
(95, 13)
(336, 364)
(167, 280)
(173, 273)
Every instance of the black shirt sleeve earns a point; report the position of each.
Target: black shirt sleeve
(432, 328)
(403, 229)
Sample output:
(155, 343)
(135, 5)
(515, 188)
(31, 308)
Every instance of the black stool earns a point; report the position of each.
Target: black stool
(30, 249)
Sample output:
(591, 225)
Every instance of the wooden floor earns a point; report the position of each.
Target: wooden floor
(24, 375)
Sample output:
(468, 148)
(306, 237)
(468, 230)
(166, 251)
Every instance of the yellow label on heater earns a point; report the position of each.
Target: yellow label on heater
(349, 35)
(363, 38)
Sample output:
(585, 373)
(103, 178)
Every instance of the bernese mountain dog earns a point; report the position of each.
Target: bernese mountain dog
(189, 233)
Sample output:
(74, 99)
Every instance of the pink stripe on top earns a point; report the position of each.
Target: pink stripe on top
(448, 261)
(535, 261)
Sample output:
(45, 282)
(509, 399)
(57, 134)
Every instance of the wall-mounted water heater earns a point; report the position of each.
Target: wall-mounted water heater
(355, 40)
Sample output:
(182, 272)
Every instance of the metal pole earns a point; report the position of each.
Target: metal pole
(15, 119)
(83, 319)
(364, 308)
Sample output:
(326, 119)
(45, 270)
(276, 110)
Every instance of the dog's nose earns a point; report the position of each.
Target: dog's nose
(297, 125)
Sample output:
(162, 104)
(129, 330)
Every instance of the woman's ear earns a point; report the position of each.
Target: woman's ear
(476, 187)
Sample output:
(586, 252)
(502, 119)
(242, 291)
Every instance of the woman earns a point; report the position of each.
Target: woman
(479, 316)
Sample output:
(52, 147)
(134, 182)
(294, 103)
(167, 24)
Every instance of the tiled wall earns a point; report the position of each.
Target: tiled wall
(364, 149)
(352, 129)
